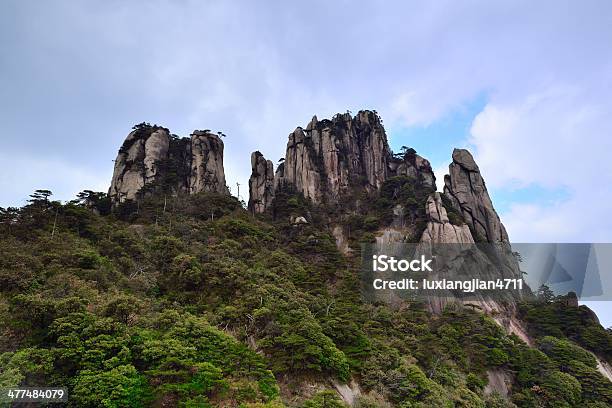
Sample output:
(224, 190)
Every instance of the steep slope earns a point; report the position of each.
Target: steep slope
(205, 305)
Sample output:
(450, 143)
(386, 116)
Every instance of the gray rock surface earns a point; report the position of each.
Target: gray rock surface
(138, 162)
(332, 158)
(490, 259)
(145, 156)
(499, 381)
(207, 172)
(261, 183)
(439, 229)
(414, 166)
(466, 189)
(328, 157)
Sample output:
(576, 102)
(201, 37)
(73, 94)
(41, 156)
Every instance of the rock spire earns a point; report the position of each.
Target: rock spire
(466, 190)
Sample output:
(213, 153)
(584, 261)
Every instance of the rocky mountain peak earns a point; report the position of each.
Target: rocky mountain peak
(466, 189)
(138, 161)
(150, 154)
(329, 158)
(323, 160)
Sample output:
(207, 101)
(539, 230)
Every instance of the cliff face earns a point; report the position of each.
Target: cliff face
(329, 158)
(325, 159)
(492, 257)
(138, 162)
(150, 153)
(207, 173)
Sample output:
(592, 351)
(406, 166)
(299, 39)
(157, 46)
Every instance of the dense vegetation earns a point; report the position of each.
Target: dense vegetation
(191, 301)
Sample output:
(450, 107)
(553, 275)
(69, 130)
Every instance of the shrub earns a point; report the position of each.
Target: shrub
(120, 387)
(563, 352)
(561, 386)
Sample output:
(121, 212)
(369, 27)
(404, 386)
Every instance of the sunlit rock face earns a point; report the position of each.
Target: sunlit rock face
(326, 158)
(150, 154)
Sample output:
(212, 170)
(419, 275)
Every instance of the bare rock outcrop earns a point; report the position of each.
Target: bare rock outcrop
(466, 189)
(485, 254)
(150, 154)
(138, 161)
(323, 160)
(414, 166)
(439, 229)
(207, 173)
(499, 381)
(261, 183)
(330, 158)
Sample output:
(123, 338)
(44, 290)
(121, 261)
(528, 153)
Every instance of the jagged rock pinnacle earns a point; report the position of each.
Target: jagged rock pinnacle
(466, 190)
(261, 183)
(207, 172)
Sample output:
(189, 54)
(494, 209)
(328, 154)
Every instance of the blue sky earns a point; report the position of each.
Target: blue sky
(525, 86)
(453, 129)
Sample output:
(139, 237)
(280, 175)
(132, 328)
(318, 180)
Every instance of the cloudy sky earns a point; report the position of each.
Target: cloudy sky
(526, 87)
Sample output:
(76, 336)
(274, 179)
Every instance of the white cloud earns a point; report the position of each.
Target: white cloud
(71, 94)
(257, 72)
(555, 139)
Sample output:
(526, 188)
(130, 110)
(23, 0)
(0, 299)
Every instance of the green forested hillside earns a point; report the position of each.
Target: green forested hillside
(191, 301)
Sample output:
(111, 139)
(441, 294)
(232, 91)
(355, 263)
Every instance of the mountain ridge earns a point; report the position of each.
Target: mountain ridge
(181, 297)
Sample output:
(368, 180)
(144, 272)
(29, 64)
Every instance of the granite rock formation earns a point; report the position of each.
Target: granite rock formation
(138, 161)
(330, 158)
(150, 153)
(489, 257)
(466, 189)
(439, 229)
(261, 183)
(207, 173)
(323, 160)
